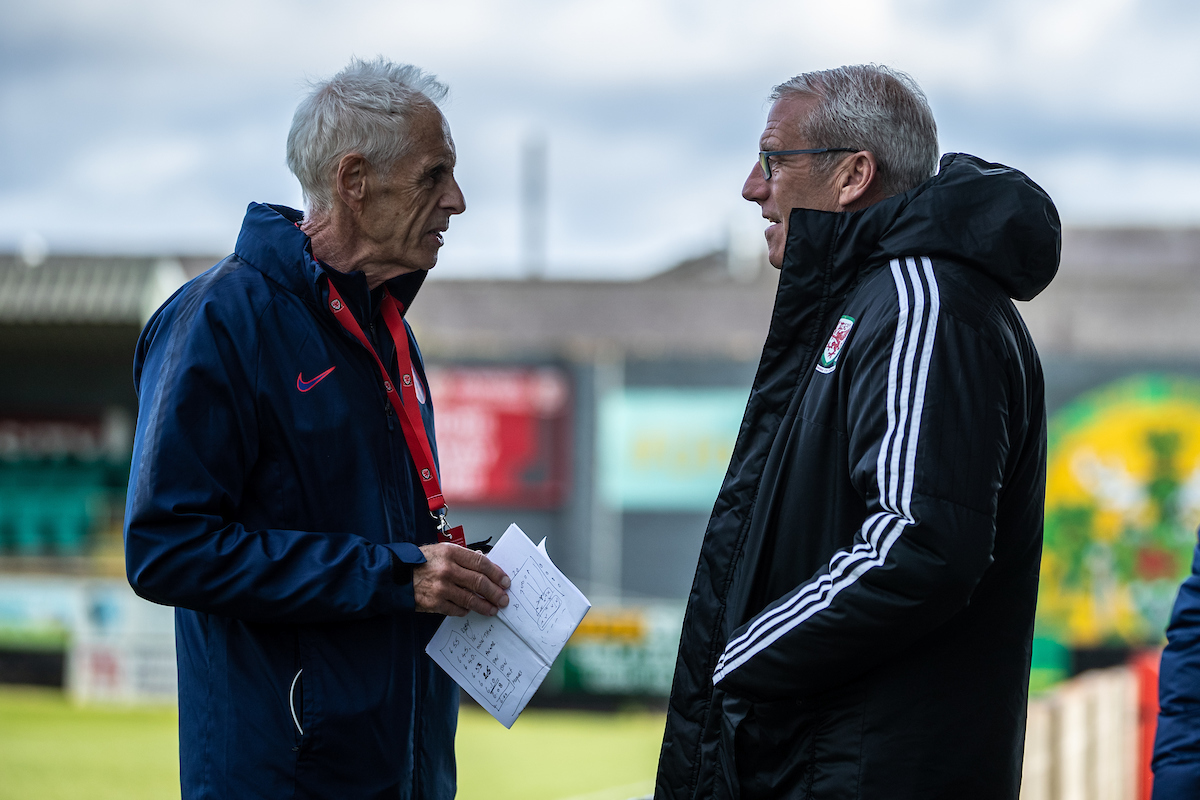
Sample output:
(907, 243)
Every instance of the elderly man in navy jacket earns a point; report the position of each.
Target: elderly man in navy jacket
(283, 488)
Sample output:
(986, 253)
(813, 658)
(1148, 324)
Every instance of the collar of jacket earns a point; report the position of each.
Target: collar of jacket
(986, 216)
(271, 242)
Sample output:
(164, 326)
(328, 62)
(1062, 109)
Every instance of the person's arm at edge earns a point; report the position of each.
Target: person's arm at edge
(1176, 761)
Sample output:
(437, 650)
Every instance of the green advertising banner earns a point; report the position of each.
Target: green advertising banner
(621, 651)
(667, 449)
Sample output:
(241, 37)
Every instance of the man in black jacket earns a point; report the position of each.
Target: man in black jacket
(861, 620)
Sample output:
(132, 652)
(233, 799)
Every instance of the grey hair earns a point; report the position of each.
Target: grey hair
(869, 107)
(367, 108)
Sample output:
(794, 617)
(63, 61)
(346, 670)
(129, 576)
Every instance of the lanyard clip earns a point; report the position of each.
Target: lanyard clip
(445, 532)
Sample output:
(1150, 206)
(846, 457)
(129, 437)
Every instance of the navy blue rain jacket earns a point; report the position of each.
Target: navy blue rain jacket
(1177, 744)
(273, 501)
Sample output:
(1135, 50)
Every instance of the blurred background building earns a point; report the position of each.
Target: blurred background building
(601, 416)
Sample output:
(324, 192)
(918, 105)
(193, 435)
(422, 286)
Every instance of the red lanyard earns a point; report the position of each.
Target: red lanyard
(408, 409)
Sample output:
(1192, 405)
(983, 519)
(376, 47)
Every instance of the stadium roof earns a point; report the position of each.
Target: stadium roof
(85, 289)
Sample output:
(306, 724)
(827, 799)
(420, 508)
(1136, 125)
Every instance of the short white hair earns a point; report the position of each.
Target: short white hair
(367, 108)
(869, 107)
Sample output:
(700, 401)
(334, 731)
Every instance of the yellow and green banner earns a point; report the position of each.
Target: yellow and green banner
(1122, 506)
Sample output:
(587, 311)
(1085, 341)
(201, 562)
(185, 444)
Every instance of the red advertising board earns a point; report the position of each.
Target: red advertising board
(503, 435)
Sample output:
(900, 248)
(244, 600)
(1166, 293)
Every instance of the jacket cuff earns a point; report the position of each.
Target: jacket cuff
(405, 556)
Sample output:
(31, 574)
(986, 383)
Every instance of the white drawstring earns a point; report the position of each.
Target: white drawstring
(292, 702)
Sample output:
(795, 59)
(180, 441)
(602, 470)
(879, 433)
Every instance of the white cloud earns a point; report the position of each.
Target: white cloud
(652, 108)
(132, 168)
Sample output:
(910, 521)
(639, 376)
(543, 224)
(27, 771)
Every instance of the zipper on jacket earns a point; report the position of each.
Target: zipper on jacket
(387, 406)
(292, 702)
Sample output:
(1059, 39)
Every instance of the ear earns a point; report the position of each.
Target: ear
(856, 181)
(351, 180)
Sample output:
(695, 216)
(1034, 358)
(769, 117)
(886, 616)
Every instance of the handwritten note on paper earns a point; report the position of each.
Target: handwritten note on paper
(501, 661)
(489, 661)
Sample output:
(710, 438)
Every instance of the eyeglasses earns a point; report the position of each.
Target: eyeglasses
(765, 155)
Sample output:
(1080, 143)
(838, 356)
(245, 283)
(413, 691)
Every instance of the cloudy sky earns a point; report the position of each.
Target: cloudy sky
(139, 126)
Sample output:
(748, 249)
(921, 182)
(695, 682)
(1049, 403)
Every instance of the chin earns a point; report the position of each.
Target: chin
(776, 239)
(421, 264)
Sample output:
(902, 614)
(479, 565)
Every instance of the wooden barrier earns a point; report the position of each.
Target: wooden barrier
(1082, 739)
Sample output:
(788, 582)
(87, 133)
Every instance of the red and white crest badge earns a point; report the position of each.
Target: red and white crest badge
(833, 347)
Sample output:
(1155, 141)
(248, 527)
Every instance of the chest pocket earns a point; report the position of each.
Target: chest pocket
(321, 418)
(823, 403)
(325, 398)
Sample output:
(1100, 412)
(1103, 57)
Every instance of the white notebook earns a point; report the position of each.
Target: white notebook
(502, 660)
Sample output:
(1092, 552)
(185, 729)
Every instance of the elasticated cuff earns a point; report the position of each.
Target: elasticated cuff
(405, 556)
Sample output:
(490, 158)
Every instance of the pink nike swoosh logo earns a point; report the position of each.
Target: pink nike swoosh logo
(304, 385)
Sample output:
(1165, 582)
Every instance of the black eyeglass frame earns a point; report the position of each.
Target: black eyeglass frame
(764, 156)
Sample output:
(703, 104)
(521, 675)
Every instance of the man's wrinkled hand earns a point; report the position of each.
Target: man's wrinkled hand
(454, 580)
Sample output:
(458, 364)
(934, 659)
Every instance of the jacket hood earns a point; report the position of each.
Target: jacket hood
(271, 242)
(987, 216)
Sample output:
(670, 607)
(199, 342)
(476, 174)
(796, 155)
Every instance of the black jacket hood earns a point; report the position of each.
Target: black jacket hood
(987, 216)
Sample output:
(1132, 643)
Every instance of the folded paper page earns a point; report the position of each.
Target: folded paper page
(501, 661)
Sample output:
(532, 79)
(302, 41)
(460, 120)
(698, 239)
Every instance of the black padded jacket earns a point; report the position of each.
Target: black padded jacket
(861, 619)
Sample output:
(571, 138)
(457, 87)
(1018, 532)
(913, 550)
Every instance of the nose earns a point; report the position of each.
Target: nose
(453, 200)
(756, 189)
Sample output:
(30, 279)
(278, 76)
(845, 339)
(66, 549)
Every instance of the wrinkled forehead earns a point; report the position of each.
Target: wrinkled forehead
(433, 117)
(429, 129)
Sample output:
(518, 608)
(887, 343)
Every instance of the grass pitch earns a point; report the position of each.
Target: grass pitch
(51, 749)
(553, 755)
